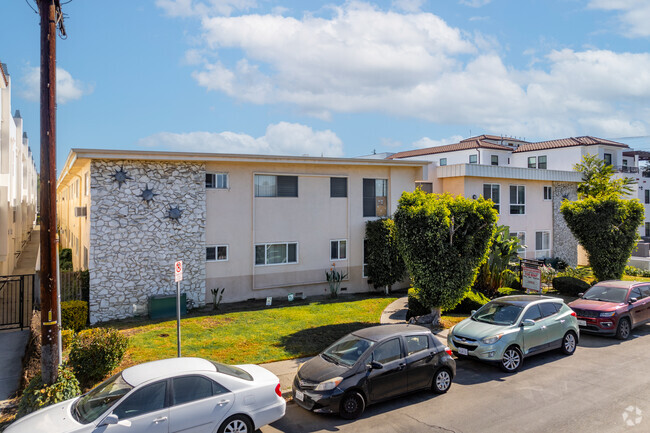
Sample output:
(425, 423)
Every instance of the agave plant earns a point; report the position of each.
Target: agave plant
(494, 272)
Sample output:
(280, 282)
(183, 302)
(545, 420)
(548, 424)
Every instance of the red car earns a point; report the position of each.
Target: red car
(613, 308)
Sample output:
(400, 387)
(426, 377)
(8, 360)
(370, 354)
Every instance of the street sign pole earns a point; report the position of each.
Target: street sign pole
(178, 277)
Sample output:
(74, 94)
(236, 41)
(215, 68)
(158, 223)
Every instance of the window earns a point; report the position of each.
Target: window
(216, 253)
(365, 257)
(473, 159)
(517, 199)
(532, 162)
(647, 195)
(542, 244)
(416, 343)
(192, 388)
(492, 191)
(541, 162)
(388, 351)
(276, 254)
(532, 313)
(276, 186)
(338, 186)
(647, 229)
(443, 161)
(338, 249)
(375, 197)
(547, 309)
(625, 163)
(635, 293)
(85, 258)
(521, 251)
(216, 180)
(494, 159)
(148, 399)
(607, 157)
(87, 183)
(645, 292)
(548, 193)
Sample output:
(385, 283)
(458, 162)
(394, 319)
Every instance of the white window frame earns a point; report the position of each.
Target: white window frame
(215, 181)
(216, 252)
(338, 249)
(266, 245)
(475, 161)
(539, 162)
(443, 162)
(521, 252)
(492, 157)
(550, 194)
(497, 205)
(545, 252)
(516, 204)
(534, 162)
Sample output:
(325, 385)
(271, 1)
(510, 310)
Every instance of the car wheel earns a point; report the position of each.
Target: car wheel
(569, 343)
(352, 405)
(511, 359)
(441, 381)
(236, 424)
(623, 329)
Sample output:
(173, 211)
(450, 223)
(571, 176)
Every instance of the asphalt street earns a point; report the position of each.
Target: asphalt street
(603, 387)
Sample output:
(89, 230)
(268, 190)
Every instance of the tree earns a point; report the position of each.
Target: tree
(606, 226)
(597, 179)
(443, 240)
(385, 265)
(494, 272)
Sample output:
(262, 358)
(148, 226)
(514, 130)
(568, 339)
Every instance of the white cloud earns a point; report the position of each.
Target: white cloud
(187, 8)
(280, 139)
(363, 59)
(67, 88)
(408, 5)
(634, 15)
(474, 3)
(428, 142)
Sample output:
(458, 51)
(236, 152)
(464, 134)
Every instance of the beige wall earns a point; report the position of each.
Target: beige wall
(74, 232)
(238, 219)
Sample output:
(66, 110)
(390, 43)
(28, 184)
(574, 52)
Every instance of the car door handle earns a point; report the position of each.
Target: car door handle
(159, 420)
(543, 327)
(561, 320)
(222, 402)
(401, 367)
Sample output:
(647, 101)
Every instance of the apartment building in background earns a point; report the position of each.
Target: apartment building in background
(18, 179)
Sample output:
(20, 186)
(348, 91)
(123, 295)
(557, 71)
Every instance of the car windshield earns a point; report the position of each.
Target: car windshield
(231, 370)
(347, 350)
(498, 313)
(98, 400)
(606, 294)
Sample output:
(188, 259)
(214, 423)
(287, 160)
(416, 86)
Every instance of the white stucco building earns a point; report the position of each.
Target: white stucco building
(18, 178)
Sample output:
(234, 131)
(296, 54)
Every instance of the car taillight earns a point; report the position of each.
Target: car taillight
(277, 390)
(448, 350)
(573, 313)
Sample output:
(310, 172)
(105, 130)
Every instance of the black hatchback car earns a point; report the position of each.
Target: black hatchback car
(371, 365)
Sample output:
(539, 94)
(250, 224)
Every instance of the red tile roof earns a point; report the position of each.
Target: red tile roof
(469, 143)
(567, 142)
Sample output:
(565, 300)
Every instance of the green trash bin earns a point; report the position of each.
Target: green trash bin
(164, 306)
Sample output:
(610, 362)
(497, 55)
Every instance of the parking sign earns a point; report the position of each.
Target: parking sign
(178, 271)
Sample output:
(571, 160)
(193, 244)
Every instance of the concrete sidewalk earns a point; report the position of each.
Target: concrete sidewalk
(394, 313)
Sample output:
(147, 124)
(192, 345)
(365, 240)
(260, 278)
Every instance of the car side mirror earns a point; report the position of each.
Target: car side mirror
(580, 295)
(113, 419)
(528, 322)
(374, 365)
(472, 312)
(632, 300)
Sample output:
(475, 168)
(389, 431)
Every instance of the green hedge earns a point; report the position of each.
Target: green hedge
(570, 286)
(96, 352)
(416, 308)
(74, 315)
(472, 301)
(37, 395)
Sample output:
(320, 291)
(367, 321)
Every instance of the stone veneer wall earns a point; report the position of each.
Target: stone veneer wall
(565, 245)
(133, 243)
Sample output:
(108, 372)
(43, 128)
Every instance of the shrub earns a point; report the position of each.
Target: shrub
(570, 286)
(37, 395)
(472, 301)
(637, 272)
(385, 265)
(66, 337)
(416, 308)
(96, 352)
(579, 273)
(74, 315)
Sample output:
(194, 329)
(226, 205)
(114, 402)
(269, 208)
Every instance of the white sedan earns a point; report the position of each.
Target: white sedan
(171, 395)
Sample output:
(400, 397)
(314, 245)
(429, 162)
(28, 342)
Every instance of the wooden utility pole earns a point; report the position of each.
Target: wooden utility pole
(50, 12)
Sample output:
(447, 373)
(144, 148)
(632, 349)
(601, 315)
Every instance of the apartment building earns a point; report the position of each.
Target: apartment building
(18, 177)
(255, 225)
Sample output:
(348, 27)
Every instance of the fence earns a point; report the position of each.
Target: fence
(16, 301)
(74, 286)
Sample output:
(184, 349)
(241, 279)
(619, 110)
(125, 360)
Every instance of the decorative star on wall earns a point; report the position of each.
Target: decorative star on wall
(121, 176)
(148, 194)
(174, 213)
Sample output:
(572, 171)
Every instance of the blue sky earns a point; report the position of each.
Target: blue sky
(333, 78)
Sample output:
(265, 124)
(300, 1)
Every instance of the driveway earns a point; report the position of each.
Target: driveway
(603, 387)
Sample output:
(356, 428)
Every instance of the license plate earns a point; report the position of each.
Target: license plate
(462, 351)
(300, 395)
(582, 323)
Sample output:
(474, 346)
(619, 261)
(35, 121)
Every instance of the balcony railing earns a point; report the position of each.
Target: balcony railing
(627, 169)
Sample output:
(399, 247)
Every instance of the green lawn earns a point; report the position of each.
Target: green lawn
(263, 335)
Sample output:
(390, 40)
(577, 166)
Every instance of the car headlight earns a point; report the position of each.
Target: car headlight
(328, 384)
(492, 340)
(608, 314)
